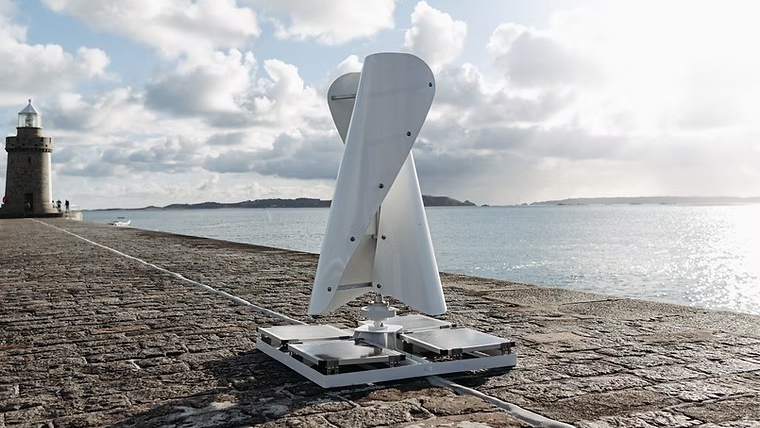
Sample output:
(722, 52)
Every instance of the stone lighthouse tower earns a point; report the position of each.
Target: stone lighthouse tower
(28, 191)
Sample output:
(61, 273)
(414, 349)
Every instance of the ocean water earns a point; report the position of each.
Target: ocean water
(705, 256)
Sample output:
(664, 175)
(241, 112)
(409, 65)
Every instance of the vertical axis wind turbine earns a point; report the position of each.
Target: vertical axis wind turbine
(377, 236)
(377, 239)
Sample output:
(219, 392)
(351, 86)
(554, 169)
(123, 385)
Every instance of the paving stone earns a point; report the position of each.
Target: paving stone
(646, 360)
(457, 405)
(476, 420)
(381, 415)
(517, 376)
(90, 338)
(733, 424)
(730, 409)
(660, 374)
(324, 407)
(703, 390)
(666, 419)
(620, 403)
(656, 419)
(314, 421)
(587, 368)
(728, 366)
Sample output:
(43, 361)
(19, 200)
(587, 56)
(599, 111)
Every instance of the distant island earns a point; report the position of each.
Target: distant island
(428, 201)
(654, 200)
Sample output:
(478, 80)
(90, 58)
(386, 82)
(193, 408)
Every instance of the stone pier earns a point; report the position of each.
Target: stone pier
(90, 337)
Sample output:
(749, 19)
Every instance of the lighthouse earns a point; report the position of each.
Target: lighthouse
(28, 189)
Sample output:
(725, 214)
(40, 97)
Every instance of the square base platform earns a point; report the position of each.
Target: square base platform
(330, 357)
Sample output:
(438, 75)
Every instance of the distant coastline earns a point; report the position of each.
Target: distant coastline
(654, 200)
(427, 200)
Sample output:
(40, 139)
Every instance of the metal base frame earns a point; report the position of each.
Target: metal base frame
(424, 347)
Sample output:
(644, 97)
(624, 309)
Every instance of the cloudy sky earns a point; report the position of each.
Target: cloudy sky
(151, 102)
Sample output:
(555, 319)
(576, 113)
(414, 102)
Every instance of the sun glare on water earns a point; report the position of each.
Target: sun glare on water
(726, 260)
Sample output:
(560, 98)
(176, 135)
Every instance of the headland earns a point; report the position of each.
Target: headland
(428, 201)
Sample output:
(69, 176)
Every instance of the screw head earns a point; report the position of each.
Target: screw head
(353, 239)
(381, 185)
(383, 237)
(408, 133)
(378, 285)
(430, 84)
(329, 288)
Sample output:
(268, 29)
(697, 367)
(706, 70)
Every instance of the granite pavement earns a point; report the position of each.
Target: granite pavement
(89, 337)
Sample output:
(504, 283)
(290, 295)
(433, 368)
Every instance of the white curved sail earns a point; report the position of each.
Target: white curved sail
(377, 236)
(340, 99)
(405, 263)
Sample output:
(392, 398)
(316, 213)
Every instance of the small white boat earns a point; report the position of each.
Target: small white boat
(121, 222)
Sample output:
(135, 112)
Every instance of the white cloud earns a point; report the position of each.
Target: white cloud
(282, 98)
(351, 64)
(230, 161)
(228, 138)
(302, 154)
(113, 136)
(435, 36)
(332, 22)
(209, 184)
(599, 104)
(159, 189)
(167, 154)
(7, 7)
(682, 69)
(502, 38)
(532, 59)
(40, 69)
(117, 111)
(604, 101)
(173, 26)
(211, 86)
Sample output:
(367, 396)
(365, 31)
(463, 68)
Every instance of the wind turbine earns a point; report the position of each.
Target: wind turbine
(377, 239)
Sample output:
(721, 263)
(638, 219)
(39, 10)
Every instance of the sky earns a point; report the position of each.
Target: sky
(153, 102)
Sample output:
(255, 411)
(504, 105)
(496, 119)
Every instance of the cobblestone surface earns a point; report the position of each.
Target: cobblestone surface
(92, 338)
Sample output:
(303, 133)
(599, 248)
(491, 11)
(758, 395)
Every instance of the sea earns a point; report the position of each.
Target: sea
(696, 255)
